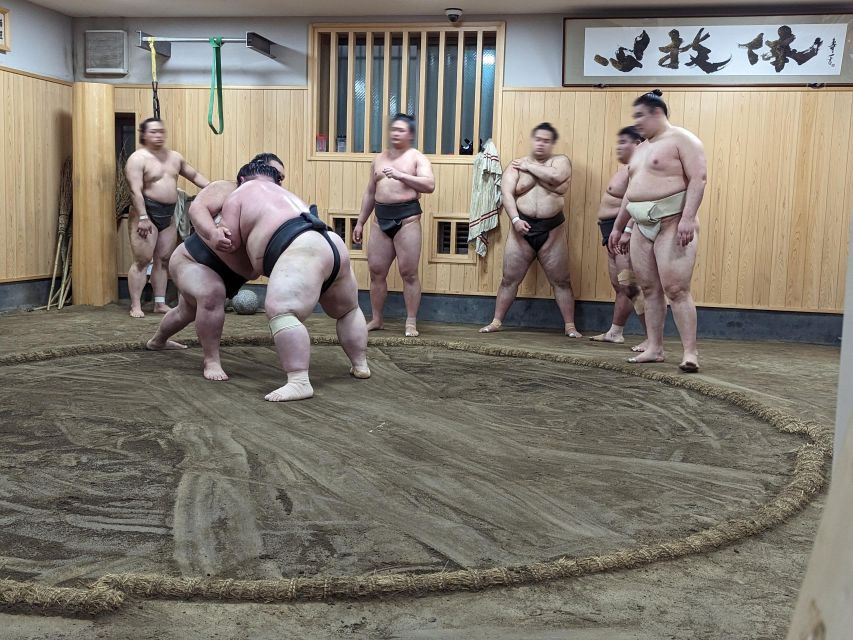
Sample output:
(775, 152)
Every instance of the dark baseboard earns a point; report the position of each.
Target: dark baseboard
(147, 294)
(24, 295)
(534, 313)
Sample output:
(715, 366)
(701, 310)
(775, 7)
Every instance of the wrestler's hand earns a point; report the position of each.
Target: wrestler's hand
(521, 227)
(144, 228)
(625, 244)
(519, 165)
(221, 239)
(686, 231)
(357, 233)
(391, 173)
(613, 242)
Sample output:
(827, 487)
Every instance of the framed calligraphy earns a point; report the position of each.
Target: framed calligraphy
(5, 38)
(759, 50)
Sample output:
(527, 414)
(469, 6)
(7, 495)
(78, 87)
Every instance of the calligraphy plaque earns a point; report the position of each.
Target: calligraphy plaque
(771, 50)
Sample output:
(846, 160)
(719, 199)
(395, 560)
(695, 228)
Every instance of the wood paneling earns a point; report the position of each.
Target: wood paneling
(93, 267)
(35, 130)
(774, 220)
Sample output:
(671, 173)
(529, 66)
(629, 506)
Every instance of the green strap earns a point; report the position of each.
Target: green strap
(216, 85)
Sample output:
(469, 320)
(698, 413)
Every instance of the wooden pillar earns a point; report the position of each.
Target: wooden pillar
(93, 265)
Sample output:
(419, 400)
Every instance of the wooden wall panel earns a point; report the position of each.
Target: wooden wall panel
(774, 221)
(35, 137)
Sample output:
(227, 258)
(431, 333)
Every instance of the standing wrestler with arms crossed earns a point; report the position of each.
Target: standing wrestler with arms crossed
(533, 190)
(666, 182)
(398, 176)
(152, 175)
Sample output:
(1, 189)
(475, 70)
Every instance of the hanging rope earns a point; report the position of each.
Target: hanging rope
(155, 98)
(216, 85)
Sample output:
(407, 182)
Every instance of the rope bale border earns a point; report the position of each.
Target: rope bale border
(110, 592)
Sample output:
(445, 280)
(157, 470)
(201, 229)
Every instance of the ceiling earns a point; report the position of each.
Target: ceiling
(253, 8)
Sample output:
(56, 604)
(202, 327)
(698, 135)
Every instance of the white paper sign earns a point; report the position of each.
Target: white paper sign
(723, 50)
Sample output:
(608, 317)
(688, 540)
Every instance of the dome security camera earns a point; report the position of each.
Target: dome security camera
(453, 14)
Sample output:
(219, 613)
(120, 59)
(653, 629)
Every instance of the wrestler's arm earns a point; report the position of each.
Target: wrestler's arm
(553, 176)
(625, 177)
(231, 212)
(619, 226)
(368, 202)
(423, 180)
(508, 181)
(205, 207)
(133, 171)
(189, 172)
(695, 166)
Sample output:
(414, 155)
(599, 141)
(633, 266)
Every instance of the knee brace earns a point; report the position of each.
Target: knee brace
(626, 278)
(284, 322)
(639, 303)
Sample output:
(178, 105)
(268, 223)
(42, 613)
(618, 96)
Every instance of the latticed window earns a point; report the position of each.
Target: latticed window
(447, 77)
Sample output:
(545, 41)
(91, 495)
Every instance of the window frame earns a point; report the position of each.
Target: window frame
(350, 220)
(452, 258)
(352, 28)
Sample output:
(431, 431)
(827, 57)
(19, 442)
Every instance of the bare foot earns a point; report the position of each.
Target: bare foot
(159, 345)
(375, 325)
(362, 373)
(493, 327)
(411, 329)
(136, 312)
(640, 347)
(690, 363)
(610, 336)
(214, 371)
(162, 307)
(648, 357)
(291, 391)
(572, 331)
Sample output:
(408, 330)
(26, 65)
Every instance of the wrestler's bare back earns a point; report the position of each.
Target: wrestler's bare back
(656, 169)
(533, 197)
(257, 209)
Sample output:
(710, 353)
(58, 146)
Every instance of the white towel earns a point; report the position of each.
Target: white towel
(182, 215)
(485, 196)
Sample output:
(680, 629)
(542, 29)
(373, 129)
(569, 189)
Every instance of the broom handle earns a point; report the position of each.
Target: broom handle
(55, 266)
(65, 279)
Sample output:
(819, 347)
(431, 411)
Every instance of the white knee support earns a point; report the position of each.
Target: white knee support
(640, 303)
(284, 322)
(626, 278)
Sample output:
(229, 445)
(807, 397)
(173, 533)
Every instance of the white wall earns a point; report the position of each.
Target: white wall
(534, 51)
(41, 40)
(190, 63)
(533, 56)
